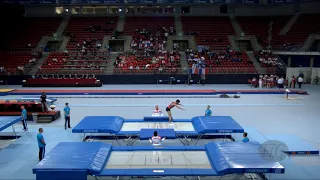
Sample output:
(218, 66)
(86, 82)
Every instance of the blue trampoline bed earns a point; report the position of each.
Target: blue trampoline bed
(143, 129)
(7, 121)
(77, 160)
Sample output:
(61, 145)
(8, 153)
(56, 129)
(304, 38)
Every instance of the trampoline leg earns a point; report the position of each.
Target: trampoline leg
(198, 177)
(133, 141)
(14, 131)
(117, 139)
(181, 140)
(198, 139)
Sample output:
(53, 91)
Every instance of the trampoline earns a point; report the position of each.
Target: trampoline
(143, 129)
(7, 121)
(76, 160)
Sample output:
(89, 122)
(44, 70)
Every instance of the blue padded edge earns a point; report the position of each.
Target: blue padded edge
(99, 124)
(99, 160)
(239, 157)
(160, 118)
(148, 133)
(187, 133)
(66, 156)
(162, 148)
(7, 121)
(150, 172)
(216, 124)
(62, 175)
(120, 133)
(156, 120)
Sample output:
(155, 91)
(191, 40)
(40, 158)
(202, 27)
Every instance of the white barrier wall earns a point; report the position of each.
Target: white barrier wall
(315, 73)
(309, 73)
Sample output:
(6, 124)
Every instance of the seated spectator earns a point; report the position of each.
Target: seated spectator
(32, 61)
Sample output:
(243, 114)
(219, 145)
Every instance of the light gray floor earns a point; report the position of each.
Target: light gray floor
(267, 113)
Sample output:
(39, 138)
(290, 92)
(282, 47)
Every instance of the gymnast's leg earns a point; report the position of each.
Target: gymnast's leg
(170, 116)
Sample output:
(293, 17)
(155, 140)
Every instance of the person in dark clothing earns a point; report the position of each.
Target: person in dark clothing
(43, 99)
(203, 78)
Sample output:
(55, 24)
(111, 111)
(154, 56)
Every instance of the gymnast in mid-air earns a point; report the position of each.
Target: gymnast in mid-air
(172, 105)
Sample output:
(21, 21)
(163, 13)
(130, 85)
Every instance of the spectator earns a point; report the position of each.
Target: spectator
(280, 82)
(260, 83)
(300, 81)
(293, 82)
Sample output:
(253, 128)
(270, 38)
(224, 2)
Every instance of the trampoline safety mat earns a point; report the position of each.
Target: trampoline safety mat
(167, 159)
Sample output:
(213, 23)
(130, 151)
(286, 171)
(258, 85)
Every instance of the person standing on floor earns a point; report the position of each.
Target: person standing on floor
(203, 78)
(41, 144)
(67, 116)
(280, 82)
(208, 111)
(43, 99)
(300, 81)
(24, 118)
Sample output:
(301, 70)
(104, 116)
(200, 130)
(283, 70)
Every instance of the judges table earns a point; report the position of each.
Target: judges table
(62, 82)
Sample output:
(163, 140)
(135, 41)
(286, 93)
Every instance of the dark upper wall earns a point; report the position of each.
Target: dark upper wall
(265, 10)
(40, 11)
(210, 10)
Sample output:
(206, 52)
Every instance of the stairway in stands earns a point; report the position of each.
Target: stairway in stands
(34, 68)
(120, 23)
(236, 26)
(178, 24)
(183, 62)
(110, 64)
(255, 62)
(62, 26)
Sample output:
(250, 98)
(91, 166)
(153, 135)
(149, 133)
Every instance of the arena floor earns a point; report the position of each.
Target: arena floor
(270, 114)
